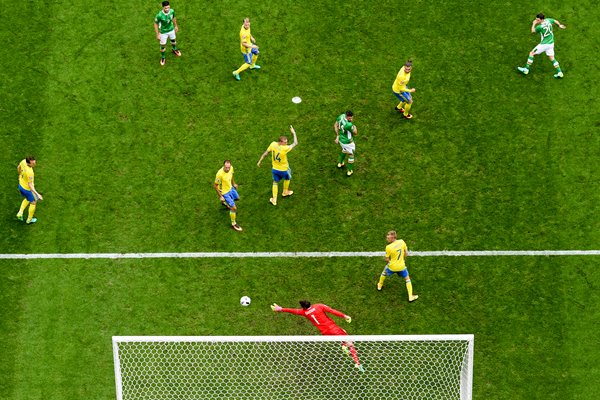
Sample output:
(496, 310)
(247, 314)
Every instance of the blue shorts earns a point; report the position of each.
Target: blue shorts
(231, 196)
(28, 194)
(248, 56)
(403, 96)
(281, 175)
(403, 273)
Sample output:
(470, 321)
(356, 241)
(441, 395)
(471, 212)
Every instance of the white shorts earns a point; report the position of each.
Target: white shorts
(544, 48)
(348, 148)
(164, 36)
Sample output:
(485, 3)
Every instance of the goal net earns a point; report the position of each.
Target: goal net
(293, 367)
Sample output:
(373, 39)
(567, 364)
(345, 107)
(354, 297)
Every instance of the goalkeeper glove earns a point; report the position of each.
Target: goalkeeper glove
(348, 318)
(275, 307)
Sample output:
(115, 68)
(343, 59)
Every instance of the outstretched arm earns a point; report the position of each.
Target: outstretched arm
(277, 308)
(338, 313)
(262, 157)
(295, 143)
(561, 26)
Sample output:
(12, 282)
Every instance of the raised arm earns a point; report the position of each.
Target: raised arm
(295, 143)
(533, 25)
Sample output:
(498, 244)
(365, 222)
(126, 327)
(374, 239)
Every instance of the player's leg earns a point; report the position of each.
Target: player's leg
(409, 288)
(348, 348)
(384, 274)
(408, 105)
(254, 58)
(29, 199)
(400, 106)
(275, 187)
(24, 205)
(30, 219)
(550, 54)
(173, 40)
(407, 108)
(163, 48)
(230, 198)
(532, 53)
(245, 66)
(286, 183)
(341, 159)
(351, 160)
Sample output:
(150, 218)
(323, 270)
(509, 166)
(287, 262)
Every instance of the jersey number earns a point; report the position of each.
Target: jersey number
(547, 31)
(315, 319)
(277, 157)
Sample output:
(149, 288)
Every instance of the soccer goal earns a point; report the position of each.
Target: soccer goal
(293, 367)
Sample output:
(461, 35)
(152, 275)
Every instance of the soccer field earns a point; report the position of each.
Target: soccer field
(127, 153)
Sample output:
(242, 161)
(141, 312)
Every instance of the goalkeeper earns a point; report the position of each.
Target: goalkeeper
(317, 315)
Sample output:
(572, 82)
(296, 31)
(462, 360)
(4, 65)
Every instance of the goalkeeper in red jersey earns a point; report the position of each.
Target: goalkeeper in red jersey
(317, 315)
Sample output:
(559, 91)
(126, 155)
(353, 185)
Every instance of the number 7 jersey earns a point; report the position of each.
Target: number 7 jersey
(395, 252)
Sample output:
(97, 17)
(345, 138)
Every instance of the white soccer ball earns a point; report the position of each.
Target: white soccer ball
(245, 301)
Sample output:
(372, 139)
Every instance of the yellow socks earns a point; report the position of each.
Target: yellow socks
(286, 186)
(232, 215)
(275, 190)
(400, 105)
(31, 211)
(24, 204)
(409, 289)
(242, 68)
(407, 108)
(254, 57)
(381, 279)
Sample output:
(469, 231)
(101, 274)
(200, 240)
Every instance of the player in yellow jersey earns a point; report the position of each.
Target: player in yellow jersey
(27, 188)
(395, 254)
(402, 92)
(249, 50)
(226, 189)
(281, 168)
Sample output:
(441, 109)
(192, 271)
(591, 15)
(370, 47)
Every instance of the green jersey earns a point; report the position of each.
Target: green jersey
(545, 31)
(165, 21)
(345, 129)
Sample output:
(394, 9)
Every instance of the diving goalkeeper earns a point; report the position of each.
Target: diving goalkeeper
(317, 315)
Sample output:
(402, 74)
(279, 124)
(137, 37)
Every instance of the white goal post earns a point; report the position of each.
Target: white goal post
(294, 367)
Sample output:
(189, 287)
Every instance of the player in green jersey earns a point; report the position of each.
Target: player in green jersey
(345, 130)
(165, 26)
(543, 26)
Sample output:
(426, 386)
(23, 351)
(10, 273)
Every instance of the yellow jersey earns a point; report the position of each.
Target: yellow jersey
(26, 175)
(224, 179)
(245, 38)
(279, 156)
(401, 81)
(395, 252)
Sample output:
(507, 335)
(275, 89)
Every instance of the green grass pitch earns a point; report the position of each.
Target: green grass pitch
(127, 152)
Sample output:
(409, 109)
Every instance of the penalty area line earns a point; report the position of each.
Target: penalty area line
(327, 254)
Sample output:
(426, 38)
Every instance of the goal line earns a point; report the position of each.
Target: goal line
(301, 254)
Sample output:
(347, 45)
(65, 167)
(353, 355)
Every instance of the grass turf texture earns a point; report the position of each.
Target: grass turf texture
(128, 150)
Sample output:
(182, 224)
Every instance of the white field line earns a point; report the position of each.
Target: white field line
(329, 254)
